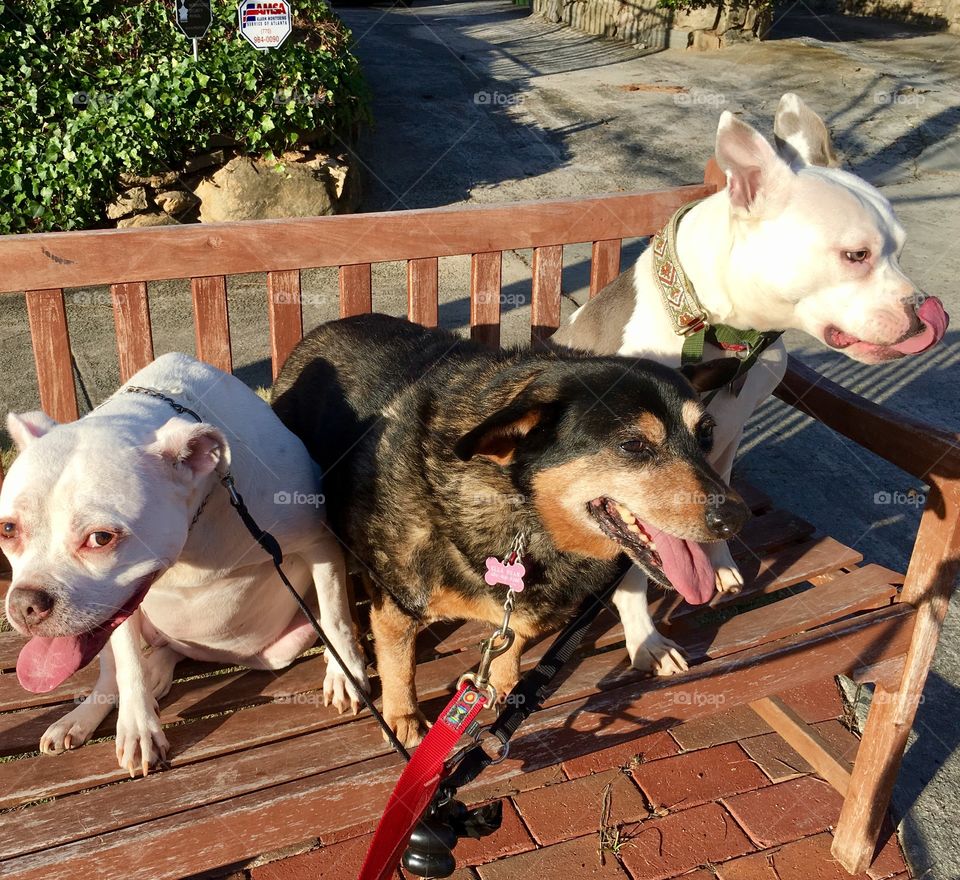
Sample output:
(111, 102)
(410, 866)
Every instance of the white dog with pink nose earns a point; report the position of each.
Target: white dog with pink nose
(123, 545)
(792, 242)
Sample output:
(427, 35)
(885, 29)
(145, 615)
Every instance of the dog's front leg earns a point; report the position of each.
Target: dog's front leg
(728, 576)
(75, 728)
(140, 739)
(330, 578)
(395, 640)
(649, 651)
(731, 412)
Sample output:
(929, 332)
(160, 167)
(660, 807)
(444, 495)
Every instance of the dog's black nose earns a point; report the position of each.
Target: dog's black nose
(726, 517)
(30, 606)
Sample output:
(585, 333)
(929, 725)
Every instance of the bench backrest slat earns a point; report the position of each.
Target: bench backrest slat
(131, 317)
(286, 315)
(51, 352)
(605, 264)
(356, 290)
(485, 297)
(546, 292)
(211, 321)
(423, 291)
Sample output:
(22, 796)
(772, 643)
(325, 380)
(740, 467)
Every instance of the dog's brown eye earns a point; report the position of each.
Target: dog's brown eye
(856, 256)
(8, 530)
(638, 449)
(705, 435)
(95, 540)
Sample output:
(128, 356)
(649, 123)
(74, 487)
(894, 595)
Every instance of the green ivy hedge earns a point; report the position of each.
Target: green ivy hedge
(91, 88)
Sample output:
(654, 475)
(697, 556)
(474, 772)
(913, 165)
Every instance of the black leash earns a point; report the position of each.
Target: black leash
(270, 544)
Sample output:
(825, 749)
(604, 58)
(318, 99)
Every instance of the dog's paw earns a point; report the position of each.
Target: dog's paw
(409, 729)
(337, 689)
(71, 731)
(659, 655)
(728, 577)
(141, 743)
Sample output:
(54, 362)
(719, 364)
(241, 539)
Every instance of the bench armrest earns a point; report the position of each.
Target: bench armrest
(928, 453)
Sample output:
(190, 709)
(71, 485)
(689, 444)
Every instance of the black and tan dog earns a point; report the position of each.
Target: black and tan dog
(437, 452)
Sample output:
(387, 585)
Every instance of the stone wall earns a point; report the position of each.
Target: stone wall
(647, 25)
(938, 14)
(643, 23)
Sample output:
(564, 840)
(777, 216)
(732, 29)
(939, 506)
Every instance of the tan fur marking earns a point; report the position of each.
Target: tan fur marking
(395, 637)
(692, 413)
(652, 428)
(500, 444)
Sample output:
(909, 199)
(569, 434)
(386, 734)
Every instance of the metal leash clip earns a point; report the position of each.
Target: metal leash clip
(502, 638)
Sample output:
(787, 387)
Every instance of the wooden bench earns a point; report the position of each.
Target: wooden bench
(257, 763)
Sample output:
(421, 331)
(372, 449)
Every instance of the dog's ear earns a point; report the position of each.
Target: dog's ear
(802, 136)
(200, 448)
(710, 375)
(757, 178)
(27, 427)
(498, 436)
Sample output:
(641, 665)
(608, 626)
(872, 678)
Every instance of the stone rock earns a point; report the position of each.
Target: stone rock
(696, 19)
(128, 203)
(731, 18)
(704, 41)
(735, 37)
(176, 201)
(245, 190)
(161, 180)
(204, 160)
(152, 218)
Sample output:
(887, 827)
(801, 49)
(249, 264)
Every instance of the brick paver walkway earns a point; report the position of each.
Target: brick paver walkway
(720, 798)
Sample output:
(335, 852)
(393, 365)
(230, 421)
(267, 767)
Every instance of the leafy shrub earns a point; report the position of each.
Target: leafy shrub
(93, 88)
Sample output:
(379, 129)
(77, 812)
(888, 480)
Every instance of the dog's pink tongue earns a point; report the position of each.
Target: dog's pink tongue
(46, 663)
(934, 319)
(686, 567)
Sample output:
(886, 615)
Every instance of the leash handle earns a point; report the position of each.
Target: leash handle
(417, 785)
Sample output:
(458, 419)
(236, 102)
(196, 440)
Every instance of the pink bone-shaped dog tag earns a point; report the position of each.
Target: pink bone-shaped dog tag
(509, 574)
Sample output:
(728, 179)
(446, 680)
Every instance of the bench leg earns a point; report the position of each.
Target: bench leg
(928, 586)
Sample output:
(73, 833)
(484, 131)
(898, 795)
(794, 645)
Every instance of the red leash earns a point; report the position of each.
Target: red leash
(418, 783)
